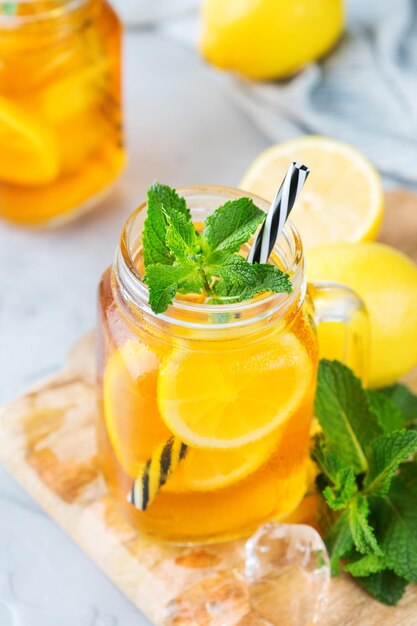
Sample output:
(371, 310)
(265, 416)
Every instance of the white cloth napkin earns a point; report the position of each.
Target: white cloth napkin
(364, 92)
(144, 12)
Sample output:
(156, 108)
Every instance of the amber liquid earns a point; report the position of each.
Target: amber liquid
(271, 491)
(61, 140)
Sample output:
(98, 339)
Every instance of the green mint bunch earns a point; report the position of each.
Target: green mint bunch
(178, 259)
(368, 480)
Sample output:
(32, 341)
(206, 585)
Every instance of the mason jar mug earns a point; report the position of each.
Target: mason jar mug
(205, 410)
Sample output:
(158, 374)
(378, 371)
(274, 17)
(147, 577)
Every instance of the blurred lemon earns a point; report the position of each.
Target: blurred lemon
(343, 198)
(265, 39)
(386, 280)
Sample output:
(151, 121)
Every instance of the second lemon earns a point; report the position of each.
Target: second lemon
(265, 39)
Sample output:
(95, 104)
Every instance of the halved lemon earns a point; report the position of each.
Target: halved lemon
(226, 399)
(343, 199)
(133, 423)
(28, 148)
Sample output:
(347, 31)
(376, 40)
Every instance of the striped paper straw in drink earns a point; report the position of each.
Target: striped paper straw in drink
(155, 472)
(278, 213)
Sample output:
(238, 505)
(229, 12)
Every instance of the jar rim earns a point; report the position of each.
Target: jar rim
(136, 291)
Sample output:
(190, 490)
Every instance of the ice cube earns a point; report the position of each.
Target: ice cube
(288, 574)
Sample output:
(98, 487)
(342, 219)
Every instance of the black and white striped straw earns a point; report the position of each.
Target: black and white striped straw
(278, 213)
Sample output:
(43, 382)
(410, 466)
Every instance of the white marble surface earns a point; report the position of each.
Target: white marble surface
(182, 130)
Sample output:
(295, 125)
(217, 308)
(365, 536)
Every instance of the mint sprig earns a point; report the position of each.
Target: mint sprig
(367, 481)
(179, 259)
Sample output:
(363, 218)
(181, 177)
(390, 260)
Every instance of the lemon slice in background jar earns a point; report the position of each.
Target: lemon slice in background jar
(28, 148)
(226, 399)
(74, 94)
(71, 105)
(342, 202)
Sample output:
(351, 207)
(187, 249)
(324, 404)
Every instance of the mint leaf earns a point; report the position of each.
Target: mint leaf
(270, 278)
(167, 197)
(232, 224)
(192, 284)
(162, 200)
(232, 267)
(366, 565)
(395, 517)
(362, 532)
(385, 586)
(241, 280)
(339, 495)
(337, 472)
(342, 410)
(163, 282)
(339, 541)
(401, 396)
(330, 463)
(181, 238)
(385, 455)
(154, 248)
(388, 415)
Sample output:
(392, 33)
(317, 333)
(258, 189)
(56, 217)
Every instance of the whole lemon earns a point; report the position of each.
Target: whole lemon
(386, 280)
(266, 39)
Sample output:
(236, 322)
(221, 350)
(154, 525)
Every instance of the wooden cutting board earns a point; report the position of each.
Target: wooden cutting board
(47, 442)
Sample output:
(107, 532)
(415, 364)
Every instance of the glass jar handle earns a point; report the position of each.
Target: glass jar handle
(342, 326)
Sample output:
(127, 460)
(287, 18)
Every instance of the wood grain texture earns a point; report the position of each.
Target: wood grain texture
(47, 442)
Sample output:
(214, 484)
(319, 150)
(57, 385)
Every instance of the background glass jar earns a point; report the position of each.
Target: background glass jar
(61, 143)
(244, 373)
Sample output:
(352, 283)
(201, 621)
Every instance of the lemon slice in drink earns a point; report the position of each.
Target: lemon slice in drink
(226, 399)
(343, 198)
(206, 470)
(133, 423)
(135, 428)
(28, 149)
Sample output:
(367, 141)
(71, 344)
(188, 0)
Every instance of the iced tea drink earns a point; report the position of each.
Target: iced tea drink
(233, 384)
(61, 143)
